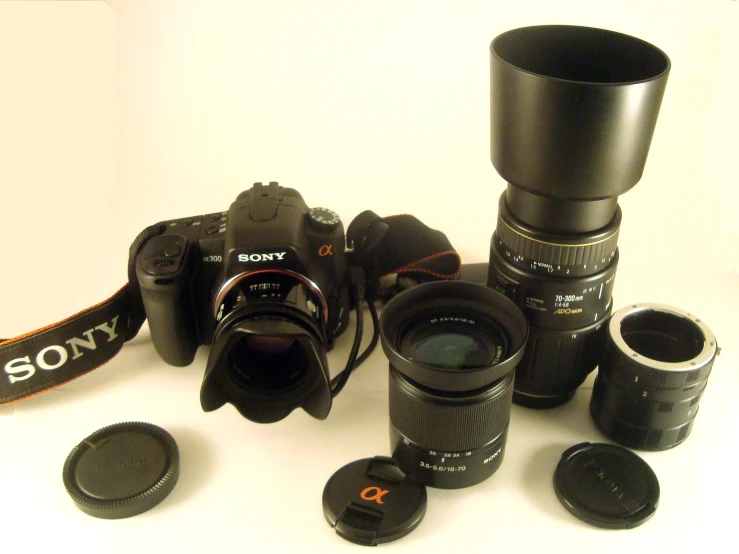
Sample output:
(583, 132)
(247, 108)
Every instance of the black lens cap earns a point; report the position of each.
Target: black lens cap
(606, 485)
(122, 470)
(371, 501)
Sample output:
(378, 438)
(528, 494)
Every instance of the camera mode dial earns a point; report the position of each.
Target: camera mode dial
(324, 219)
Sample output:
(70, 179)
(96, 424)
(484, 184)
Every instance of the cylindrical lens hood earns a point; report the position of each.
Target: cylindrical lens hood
(472, 300)
(573, 109)
(650, 382)
(248, 368)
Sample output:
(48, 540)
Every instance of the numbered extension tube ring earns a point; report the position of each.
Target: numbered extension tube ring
(651, 380)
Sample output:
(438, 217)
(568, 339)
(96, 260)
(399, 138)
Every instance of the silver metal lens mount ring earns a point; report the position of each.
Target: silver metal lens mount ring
(230, 283)
(703, 358)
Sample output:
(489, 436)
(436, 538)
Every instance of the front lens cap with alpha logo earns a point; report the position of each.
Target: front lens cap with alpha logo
(122, 470)
(371, 501)
(606, 486)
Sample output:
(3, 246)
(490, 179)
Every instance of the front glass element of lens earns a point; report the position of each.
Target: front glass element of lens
(453, 346)
(449, 351)
(267, 364)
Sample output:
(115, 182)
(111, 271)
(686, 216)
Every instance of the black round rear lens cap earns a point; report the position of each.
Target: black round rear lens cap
(606, 485)
(371, 501)
(122, 470)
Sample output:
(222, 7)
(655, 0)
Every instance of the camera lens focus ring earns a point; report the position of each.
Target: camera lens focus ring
(462, 423)
(555, 255)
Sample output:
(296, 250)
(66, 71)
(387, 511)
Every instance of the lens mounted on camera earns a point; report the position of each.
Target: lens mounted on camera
(269, 348)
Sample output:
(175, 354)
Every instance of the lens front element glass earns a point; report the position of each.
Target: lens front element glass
(268, 364)
(450, 345)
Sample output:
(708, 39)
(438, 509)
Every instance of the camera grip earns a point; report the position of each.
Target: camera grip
(164, 274)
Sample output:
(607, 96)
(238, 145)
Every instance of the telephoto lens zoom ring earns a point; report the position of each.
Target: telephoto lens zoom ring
(461, 425)
(573, 355)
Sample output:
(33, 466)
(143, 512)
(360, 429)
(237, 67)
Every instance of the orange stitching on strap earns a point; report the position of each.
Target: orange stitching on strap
(408, 268)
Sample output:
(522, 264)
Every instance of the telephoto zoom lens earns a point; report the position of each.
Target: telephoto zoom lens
(453, 347)
(573, 110)
(655, 370)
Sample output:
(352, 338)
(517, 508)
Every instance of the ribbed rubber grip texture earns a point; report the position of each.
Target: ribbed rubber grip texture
(636, 436)
(449, 423)
(557, 362)
(646, 409)
(564, 255)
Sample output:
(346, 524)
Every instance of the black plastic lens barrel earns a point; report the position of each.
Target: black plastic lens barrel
(652, 378)
(573, 110)
(448, 440)
(453, 347)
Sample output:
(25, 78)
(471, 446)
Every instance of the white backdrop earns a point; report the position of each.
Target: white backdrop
(117, 115)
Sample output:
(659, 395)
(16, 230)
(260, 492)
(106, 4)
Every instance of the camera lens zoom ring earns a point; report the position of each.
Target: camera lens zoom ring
(557, 363)
(449, 425)
(530, 253)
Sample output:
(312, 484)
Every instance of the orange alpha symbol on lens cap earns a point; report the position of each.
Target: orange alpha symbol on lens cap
(374, 493)
(326, 250)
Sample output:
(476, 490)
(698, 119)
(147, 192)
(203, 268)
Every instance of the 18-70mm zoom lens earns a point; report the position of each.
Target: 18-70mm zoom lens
(453, 347)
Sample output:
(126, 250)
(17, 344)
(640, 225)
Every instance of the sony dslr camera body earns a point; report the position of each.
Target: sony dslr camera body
(265, 284)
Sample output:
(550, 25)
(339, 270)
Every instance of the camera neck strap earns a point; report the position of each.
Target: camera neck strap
(46, 358)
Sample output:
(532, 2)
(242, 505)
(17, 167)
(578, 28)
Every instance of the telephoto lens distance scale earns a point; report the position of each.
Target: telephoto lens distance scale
(572, 112)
